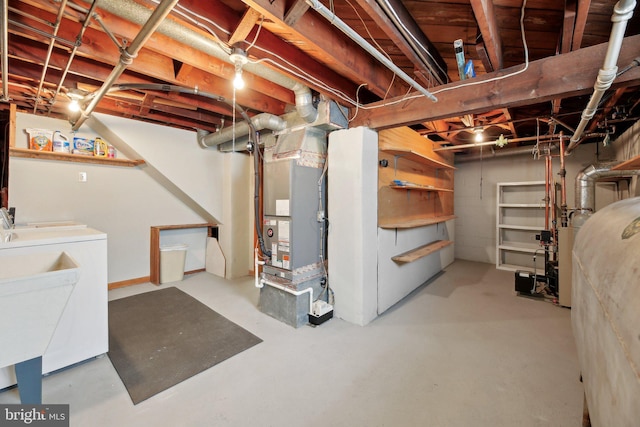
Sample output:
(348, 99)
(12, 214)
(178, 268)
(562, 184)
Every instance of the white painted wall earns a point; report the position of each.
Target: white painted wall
(181, 183)
(475, 194)
(395, 281)
(364, 278)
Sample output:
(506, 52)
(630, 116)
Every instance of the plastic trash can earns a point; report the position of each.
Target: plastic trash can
(172, 263)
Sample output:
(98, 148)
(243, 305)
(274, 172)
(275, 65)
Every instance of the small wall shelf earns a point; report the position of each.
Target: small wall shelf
(77, 158)
(417, 157)
(628, 165)
(422, 251)
(418, 222)
(419, 188)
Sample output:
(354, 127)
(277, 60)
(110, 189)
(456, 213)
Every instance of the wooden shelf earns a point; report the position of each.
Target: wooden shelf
(521, 227)
(521, 205)
(422, 251)
(77, 158)
(417, 157)
(419, 188)
(418, 222)
(530, 248)
(629, 165)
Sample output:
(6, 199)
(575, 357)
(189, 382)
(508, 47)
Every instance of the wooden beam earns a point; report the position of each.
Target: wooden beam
(568, 26)
(582, 14)
(270, 46)
(294, 13)
(485, 15)
(438, 70)
(247, 22)
(571, 74)
(156, 58)
(318, 38)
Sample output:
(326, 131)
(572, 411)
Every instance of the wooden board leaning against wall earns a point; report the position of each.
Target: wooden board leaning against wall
(415, 187)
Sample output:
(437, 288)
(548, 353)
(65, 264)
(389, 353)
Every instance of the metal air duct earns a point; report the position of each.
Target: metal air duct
(585, 189)
(132, 11)
(240, 130)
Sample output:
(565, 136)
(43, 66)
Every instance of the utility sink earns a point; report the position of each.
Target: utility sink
(34, 290)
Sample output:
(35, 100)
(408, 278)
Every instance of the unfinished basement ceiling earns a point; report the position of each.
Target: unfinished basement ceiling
(46, 62)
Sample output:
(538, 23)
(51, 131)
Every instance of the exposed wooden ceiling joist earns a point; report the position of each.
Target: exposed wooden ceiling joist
(563, 75)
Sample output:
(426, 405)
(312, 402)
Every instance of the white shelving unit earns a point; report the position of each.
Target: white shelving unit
(519, 217)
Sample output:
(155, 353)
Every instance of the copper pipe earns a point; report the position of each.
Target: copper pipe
(563, 186)
(546, 191)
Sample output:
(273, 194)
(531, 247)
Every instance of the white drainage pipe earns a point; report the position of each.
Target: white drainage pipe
(260, 282)
(622, 12)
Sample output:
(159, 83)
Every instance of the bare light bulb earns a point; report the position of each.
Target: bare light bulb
(238, 82)
(74, 105)
(479, 135)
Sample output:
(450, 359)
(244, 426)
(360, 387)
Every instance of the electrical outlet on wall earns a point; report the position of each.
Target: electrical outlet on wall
(82, 177)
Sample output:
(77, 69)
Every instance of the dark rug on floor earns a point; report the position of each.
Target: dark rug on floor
(160, 338)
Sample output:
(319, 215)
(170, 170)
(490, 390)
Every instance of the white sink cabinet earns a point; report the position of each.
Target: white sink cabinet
(81, 331)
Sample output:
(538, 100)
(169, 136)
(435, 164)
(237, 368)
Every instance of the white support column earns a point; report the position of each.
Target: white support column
(353, 217)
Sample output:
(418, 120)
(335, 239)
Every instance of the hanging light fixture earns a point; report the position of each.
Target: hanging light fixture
(75, 95)
(479, 135)
(239, 58)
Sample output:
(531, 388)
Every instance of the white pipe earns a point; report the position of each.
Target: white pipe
(257, 262)
(342, 26)
(261, 282)
(622, 12)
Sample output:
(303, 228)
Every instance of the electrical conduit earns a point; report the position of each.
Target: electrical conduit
(127, 55)
(342, 26)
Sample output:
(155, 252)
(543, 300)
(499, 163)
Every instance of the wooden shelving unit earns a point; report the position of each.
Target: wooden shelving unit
(421, 251)
(519, 217)
(76, 158)
(415, 184)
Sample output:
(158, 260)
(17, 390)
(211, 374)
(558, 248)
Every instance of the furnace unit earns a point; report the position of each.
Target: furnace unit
(294, 224)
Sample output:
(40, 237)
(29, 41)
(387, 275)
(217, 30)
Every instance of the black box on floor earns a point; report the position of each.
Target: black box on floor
(525, 282)
(318, 320)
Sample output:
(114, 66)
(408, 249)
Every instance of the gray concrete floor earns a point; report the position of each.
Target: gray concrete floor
(463, 350)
